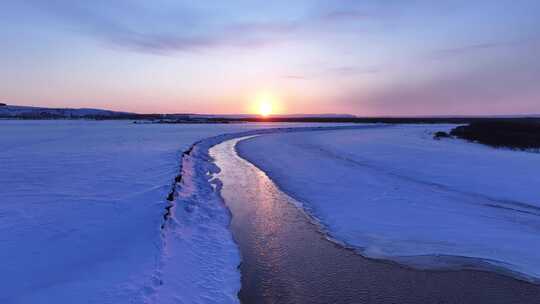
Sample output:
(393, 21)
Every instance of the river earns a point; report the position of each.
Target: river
(286, 258)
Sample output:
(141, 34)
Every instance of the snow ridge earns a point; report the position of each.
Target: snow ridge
(199, 258)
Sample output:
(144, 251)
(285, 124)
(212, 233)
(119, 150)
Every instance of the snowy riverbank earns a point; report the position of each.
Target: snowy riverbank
(81, 208)
(396, 193)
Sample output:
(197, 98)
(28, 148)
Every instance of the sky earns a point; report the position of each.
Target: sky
(386, 57)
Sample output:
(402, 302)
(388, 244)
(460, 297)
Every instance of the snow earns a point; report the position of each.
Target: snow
(393, 192)
(81, 210)
(82, 204)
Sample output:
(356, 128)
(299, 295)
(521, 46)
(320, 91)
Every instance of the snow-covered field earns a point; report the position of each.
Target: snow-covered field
(394, 192)
(81, 206)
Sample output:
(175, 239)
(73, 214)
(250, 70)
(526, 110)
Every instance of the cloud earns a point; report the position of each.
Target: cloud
(472, 48)
(132, 27)
(349, 70)
(343, 15)
(335, 71)
(297, 77)
(182, 28)
(493, 90)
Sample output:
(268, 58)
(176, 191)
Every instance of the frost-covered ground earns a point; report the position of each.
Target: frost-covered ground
(394, 192)
(81, 206)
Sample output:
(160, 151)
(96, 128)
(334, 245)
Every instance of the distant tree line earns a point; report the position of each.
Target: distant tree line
(511, 134)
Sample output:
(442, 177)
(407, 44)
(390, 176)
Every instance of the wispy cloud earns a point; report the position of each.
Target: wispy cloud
(487, 90)
(130, 26)
(344, 15)
(473, 48)
(348, 70)
(295, 77)
(336, 71)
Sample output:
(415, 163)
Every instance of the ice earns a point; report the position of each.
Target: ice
(394, 192)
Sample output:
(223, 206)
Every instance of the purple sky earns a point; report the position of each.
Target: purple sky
(391, 57)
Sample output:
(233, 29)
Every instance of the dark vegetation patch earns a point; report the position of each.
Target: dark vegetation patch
(521, 135)
(441, 134)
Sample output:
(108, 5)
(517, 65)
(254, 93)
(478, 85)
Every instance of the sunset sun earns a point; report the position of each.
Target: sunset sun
(265, 108)
(265, 104)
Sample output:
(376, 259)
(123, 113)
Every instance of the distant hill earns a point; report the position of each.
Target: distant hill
(24, 112)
